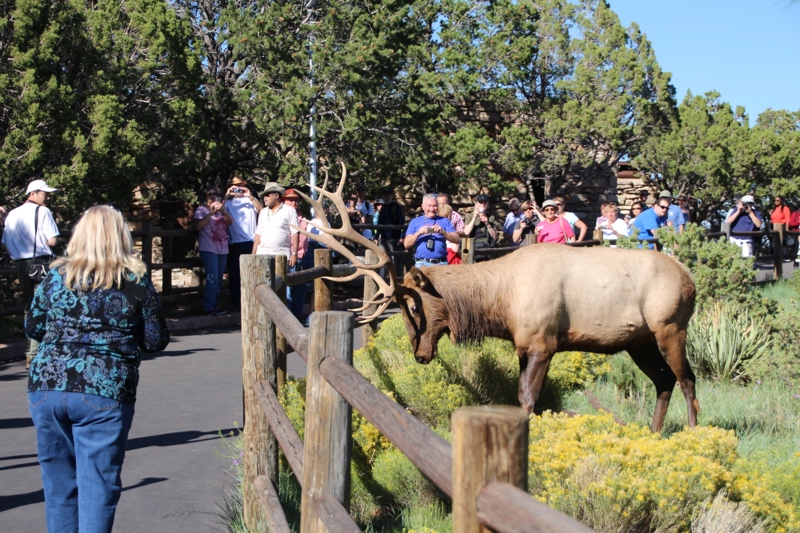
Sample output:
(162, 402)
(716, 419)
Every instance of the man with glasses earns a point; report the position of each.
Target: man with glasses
(276, 232)
(428, 234)
(675, 214)
(514, 217)
(652, 219)
(29, 233)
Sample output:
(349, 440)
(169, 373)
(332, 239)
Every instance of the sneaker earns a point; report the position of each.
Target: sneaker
(216, 312)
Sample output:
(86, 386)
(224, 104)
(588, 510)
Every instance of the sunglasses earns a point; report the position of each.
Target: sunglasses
(636, 208)
(549, 209)
(528, 209)
(663, 206)
(558, 204)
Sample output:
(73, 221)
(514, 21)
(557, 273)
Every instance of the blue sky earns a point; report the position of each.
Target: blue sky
(748, 51)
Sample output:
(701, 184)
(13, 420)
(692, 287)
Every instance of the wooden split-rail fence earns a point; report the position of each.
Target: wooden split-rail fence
(484, 470)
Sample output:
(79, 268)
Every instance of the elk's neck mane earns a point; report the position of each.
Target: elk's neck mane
(476, 303)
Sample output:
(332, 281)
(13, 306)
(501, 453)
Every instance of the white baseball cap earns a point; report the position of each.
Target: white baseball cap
(39, 185)
(748, 199)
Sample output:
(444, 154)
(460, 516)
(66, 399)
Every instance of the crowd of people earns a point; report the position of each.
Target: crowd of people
(91, 313)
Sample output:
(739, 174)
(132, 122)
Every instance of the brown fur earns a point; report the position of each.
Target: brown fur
(548, 298)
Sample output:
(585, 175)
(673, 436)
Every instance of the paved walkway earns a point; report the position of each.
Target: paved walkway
(174, 477)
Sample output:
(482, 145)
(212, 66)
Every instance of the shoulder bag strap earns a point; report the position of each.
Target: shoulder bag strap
(35, 229)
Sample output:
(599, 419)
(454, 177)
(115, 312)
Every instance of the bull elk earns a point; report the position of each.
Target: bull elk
(545, 299)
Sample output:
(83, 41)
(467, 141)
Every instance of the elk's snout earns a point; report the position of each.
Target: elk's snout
(423, 360)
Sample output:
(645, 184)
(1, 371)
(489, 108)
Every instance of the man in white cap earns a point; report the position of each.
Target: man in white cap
(30, 233)
(744, 217)
(276, 233)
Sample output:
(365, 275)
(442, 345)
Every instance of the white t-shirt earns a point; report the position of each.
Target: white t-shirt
(245, 219)
(19, 231)
(275, 232)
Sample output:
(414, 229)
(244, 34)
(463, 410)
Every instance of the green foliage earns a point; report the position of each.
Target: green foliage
(583, 89)
(710, 151)
(719, 271)
(723, 339)
(101, 99)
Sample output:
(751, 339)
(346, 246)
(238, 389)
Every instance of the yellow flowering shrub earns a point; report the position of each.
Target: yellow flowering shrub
(624, 478)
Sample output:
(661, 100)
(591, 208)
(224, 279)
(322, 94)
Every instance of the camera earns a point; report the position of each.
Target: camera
(237, 190)
(430, 244)
(530, 223)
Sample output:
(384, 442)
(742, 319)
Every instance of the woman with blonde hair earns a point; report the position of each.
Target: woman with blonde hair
(93, 314)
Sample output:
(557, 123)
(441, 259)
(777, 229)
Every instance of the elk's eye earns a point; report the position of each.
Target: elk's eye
(414, 310)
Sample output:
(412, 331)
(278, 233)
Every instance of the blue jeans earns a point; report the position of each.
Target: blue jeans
(81, 440)
(215, 267)
(296, 294)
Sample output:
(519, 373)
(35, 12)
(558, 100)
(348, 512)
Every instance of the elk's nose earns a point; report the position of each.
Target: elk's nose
(422, 361)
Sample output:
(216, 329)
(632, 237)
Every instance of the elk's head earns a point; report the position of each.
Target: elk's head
(425, 314)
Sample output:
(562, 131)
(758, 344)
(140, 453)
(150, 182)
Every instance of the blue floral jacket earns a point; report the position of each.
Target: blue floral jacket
(92, 341)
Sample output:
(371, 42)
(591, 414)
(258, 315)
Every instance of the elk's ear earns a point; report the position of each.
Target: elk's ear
(416, 279)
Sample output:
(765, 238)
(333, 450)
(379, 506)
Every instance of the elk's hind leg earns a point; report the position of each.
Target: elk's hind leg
(672, 342)
(649, 360)
(533, 367)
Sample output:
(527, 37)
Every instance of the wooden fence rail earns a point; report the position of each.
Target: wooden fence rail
(484, 471)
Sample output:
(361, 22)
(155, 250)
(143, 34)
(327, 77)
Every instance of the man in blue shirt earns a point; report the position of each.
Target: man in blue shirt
(675, 216)
(652, 219)
(514, 216)
(744, 217)
(427, 235)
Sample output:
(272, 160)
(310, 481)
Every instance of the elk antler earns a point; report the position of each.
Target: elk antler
(386, 291)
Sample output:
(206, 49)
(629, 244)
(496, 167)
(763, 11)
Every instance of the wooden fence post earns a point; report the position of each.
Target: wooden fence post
(490, 443)
(467, 251)
(725, 227)
(370, 288)
(530, 238)
(597, 235)
(258, 364)
(322, 287)
(281, 269)
(328, 441)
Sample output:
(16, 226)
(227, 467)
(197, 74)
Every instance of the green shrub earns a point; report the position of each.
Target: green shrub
(722, 339)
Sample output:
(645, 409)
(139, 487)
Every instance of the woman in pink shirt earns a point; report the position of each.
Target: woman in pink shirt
(553, 228)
